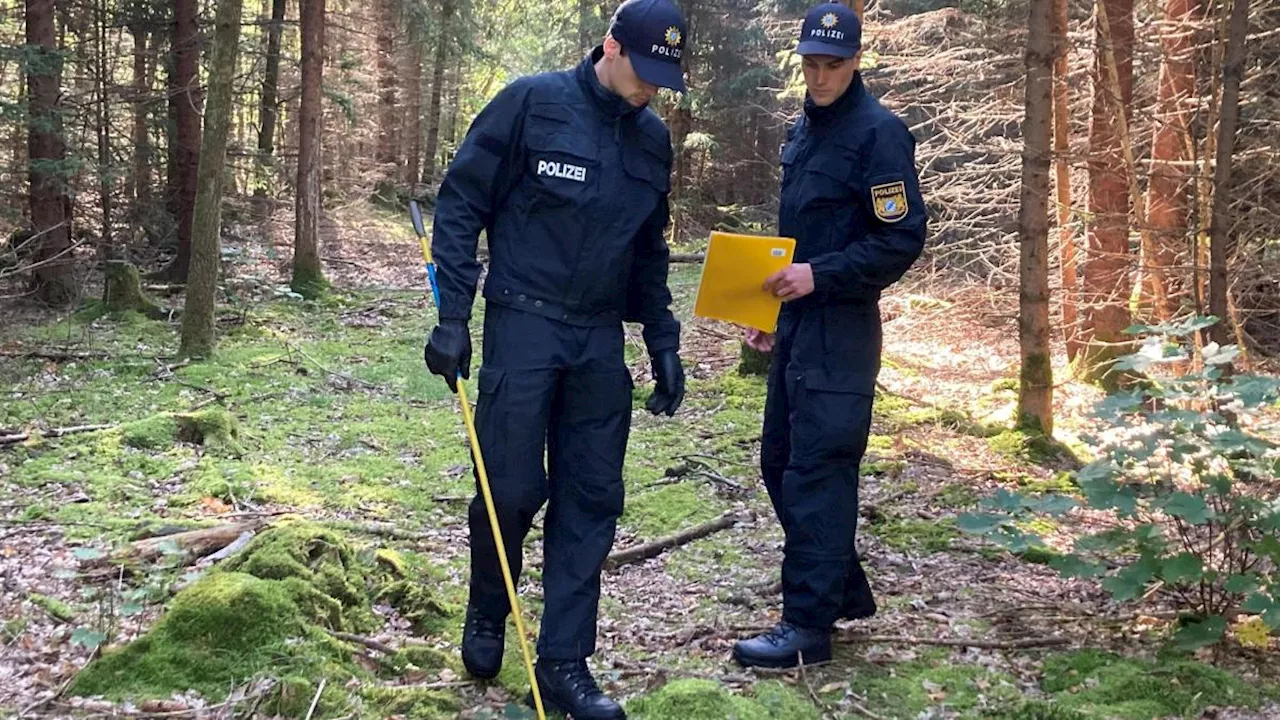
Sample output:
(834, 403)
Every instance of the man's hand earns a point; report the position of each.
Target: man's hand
(448, 352)
(759, 340)
(669, 393)
(791, 283)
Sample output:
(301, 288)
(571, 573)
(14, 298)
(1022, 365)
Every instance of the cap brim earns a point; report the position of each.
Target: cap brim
(817, 47)
(658, 72)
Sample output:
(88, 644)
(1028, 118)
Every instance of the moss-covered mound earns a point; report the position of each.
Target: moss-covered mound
(269, 611)
(707, 700)
(213, 428)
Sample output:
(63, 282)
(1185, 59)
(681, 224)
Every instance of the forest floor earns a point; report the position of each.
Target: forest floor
(337, 421)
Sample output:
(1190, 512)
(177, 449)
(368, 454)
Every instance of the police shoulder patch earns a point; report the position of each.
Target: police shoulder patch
(889, 201)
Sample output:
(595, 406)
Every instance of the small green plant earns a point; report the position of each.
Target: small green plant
(1191, 487)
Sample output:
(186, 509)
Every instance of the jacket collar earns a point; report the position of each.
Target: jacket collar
(822, 116)
(612, 105)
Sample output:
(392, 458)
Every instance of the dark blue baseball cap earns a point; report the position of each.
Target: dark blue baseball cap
(831, 28)
(654, 33)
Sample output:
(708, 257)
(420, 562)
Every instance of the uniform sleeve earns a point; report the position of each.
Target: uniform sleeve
(896, 223)
(648, 297)
(473, 188)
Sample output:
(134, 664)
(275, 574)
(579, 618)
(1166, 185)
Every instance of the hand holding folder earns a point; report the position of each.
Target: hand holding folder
(733, 277)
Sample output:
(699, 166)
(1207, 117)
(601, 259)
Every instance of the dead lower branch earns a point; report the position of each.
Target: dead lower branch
(652, 549)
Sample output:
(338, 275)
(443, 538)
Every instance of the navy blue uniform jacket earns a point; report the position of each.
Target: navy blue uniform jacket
(851, 199)
(569, 183)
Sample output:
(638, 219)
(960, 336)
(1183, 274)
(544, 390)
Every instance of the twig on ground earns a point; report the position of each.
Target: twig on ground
(367, 642)
(316, 700)
(631, 667)
(648, 550)
(54, 433)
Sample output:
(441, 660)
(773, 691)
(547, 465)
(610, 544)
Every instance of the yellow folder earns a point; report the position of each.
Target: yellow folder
(733, 275)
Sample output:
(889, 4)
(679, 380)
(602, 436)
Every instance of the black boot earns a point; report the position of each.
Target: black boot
(566, 686)
(784, 646)
(482, 644)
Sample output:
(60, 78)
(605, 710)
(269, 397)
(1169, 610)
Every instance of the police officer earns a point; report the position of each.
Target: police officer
(851, 199)
(568, 174)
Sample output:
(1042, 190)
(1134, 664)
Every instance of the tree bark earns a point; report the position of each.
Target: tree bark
(1220, 244)
(52, 278)
(140, 179)
(198, 317)
(187, 103)
(1062, 151)
(414, 124)
(269, 110)
(107, 247)
(388, 86)
(1106, 269)
(1169, 184)
(1035, 393)
(437, 86)
(308, 276)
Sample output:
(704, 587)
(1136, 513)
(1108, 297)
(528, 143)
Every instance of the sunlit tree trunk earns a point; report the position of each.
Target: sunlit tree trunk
(308, 275)
(1062, 184)
(1035, 395)
(413, 124)
(140, 178)
(186, 101)
(443, 40)
(198, 315)
(388, 84)
(1220, 242)
(1107, 264)
(269, 110)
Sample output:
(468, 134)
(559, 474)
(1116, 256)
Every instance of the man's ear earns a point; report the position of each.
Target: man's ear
(612, 48)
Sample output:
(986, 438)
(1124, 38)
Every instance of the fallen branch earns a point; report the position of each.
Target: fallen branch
(55, 355)
(316, 700)
(631, 667)
(367, 642)
(652, 549)
(955, 642)
(191, 545)
(54, 433)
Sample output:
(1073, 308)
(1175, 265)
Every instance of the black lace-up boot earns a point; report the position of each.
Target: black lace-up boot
(567, 687)
(482, 643)
(784, 646)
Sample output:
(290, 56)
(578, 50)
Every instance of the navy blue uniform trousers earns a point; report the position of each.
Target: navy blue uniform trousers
(816, 424)
(560, 392)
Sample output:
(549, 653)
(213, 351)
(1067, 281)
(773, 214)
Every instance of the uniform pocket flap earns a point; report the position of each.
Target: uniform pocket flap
(553, 136)
(649, 167)
(860, 383)
(837, 167)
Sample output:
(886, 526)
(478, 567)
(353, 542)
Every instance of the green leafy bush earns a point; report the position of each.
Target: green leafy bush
(1190, 483)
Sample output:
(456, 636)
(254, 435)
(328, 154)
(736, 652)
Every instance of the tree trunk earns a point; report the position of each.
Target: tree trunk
(52, 279)
(437, 87)
(269, 110)
(108, 247)
(1035, 394)
(308, 276)
(586, 26)
(140, 179)
(414, 124)
(1220, 243)
(1168, 187)
(188, 101)
(680, 121)
(1106, 270)
(198, 317)
(388, 86)
(1062, 151)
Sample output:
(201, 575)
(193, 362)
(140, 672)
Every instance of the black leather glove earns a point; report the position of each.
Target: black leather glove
(669, 393)
(448, 352)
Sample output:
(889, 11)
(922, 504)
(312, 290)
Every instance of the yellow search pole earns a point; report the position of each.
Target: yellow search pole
(467, 419)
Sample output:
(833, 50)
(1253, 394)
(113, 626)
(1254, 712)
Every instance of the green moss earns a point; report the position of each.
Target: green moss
(419, 604)
(709, 700)
(219, 631)
(212, 427)
(1031, 447)
(916, 535)
(957, 496)
(319, 568)
(912, 689)
(310, 284)
(391, 561)
(1042, 711)
(410, 703)
(53, 606)
(665, 510)
(1039, 556)
(1107, 685)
